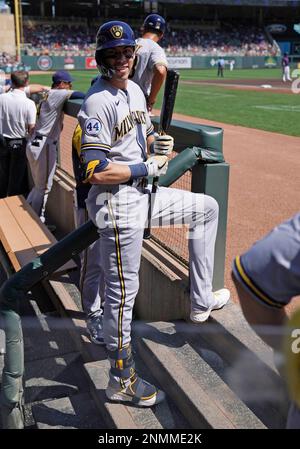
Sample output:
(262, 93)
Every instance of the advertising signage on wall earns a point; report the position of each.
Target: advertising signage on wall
(277, 28)
(270, 61)
(90, 63)
(179, 63)
(44, 62)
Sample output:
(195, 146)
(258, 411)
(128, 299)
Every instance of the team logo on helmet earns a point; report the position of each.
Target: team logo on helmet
(117, 31)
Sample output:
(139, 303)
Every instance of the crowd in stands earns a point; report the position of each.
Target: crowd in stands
(79, 40)
(60, 40)
(7, 60)
(235, 41)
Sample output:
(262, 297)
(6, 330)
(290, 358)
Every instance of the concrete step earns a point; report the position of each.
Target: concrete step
(180, 357)
(75, 412)
(54, 377)
(67, 300)
(121, 416)
(198, 392)
(53, 365)
(44, 334)
(251, 369)
(226, 348)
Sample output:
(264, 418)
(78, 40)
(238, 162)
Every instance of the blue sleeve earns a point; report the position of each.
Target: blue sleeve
(76, 95)
(270, 269)
(92, 161)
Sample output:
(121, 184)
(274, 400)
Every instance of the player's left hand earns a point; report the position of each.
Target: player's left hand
(163, 145)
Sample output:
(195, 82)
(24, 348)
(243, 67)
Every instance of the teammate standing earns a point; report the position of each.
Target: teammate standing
(116, 133)
(42, 149)
(18, 115)
(91, 273)
(150, 66)
(267, 277)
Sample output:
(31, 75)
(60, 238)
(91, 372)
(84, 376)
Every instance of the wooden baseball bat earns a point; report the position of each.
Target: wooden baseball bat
(166, 113)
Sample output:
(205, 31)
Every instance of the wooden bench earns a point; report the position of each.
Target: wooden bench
(24, 236)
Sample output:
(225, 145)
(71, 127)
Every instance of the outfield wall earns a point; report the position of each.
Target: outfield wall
(46, 62)
(195, 62)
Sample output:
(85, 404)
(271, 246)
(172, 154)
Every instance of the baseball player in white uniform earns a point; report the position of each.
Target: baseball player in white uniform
(116, 133)
(42, 149)
(150, 66)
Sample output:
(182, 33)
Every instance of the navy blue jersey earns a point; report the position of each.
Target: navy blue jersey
(82, 190)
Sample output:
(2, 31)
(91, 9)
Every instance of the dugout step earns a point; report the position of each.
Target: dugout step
(190, 364)
(217, 347)
(66, 298)
(54, 376)
(75, 412)
(120, 416)
(201, 395)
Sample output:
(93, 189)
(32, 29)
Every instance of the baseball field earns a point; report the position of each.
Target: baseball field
(254, 98)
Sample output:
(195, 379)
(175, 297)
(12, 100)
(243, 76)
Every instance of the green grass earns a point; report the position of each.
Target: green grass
(262, 110)
(206, 74)
(265, 110)
(82, 79)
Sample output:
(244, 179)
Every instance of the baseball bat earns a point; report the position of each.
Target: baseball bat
(164, 123)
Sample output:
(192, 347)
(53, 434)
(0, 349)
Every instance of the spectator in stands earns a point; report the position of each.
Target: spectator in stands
(285, 64)
(150, 66)
(42, 148)
(238, 40)
(18, 116)
(5, 84)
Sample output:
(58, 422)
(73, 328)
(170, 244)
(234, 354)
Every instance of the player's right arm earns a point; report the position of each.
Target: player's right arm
(159, 67)
(36, 89)
(96, 144)
(159, 76)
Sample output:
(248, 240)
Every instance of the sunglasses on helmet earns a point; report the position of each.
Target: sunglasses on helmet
(127, 52)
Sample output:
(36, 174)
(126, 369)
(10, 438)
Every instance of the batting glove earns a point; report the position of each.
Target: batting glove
(163, 144)
(157, 165)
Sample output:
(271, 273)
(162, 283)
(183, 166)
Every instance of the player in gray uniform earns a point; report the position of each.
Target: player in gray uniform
(267, 278)
(41, 150)
(116, 131)
(150, 66)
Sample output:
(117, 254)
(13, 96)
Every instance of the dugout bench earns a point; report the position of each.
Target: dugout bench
(23, 236)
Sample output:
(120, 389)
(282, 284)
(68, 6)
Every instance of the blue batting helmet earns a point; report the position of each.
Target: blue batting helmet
(155, 22)
(114, 34)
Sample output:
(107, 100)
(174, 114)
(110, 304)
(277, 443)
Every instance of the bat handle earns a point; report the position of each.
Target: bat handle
(147, 231)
